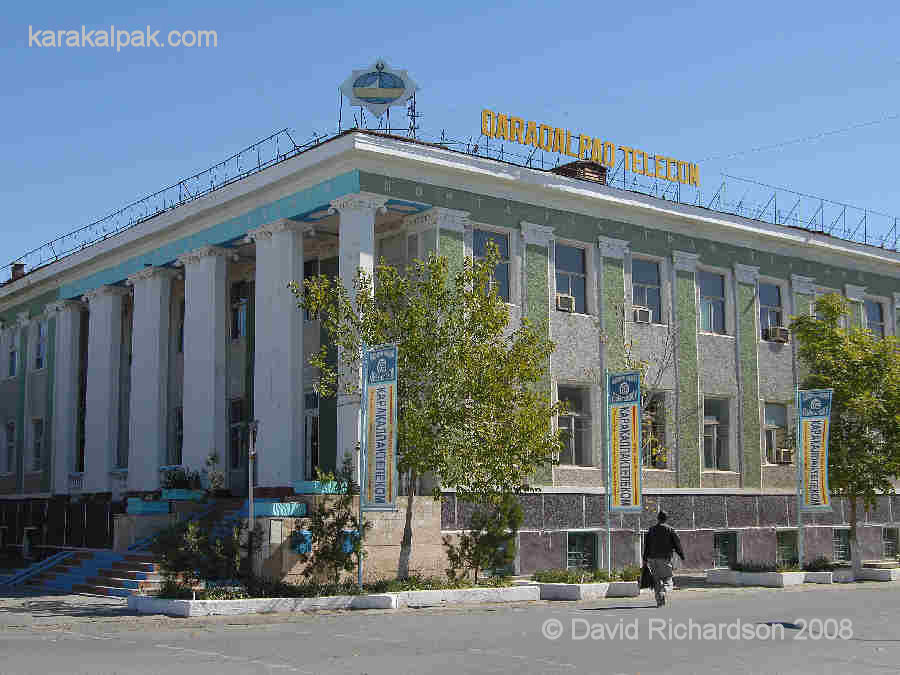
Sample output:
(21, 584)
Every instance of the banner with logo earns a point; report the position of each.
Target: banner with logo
(623, 457)
(379, 424)
(814, 408)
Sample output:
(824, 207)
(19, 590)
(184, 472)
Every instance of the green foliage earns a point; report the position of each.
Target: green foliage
(759, 566)
(820, 564)
(474, 408)
(214, 475)
(189, 554)
(172, 589)
(180, 479)
(490, 543)
(864, 371)
(329, 524)
(564, 576)
(631, 573)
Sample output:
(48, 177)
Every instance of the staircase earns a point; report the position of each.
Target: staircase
(101, 573)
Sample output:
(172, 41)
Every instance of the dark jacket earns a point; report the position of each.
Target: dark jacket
(661, 541)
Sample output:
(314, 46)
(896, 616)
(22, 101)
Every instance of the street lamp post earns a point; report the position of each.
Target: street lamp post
(251, 458)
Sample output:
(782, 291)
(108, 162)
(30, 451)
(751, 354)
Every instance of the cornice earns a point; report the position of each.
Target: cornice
(359, 201)
(152, 273)
(855, 293)
(803, 285)
(613, 248)
(438, 216)
(199, 254)
(281, 225)
(63, 306)
(102, 291)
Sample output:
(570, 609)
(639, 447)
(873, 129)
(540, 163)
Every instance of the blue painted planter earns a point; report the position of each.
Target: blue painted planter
(276, 510)
(301, 541)
(183, 495)
(139, 507)
(350, 537)
(315, 487)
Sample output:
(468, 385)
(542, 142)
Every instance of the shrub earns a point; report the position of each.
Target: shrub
(180, 479)
(758, 566)
(561, 576)
(172, 589)
(631, 573)
(820, 564)
(490, 543)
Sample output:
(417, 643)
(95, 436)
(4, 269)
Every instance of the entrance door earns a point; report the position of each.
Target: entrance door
(238, 446)
(312, 443)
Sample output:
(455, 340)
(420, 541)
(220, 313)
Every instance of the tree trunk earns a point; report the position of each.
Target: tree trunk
(406, 542)
(854, 542)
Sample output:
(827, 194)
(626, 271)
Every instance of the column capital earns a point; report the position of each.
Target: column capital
(613, 248)
(23, 319)
(63, 306)
(803, 285)
(854, 293)
(152, 273)
(746, 274)
(101, 291)
(897, 300)
(537, 235)
(438, 216)
(281, 225)
(198, 254)
(359, 201)
(685, 261)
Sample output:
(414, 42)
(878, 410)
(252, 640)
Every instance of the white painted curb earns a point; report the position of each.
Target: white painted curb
(874, 574)
(462, 596)
(612, 589)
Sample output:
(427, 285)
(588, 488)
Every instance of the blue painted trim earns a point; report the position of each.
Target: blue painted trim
(305, 201)
(37, 568)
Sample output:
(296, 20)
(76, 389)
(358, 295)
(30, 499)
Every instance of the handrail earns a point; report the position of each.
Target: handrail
(37, 568)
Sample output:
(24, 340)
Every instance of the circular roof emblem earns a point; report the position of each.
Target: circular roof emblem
(624, 389)
(381, 366)
(378, 87)
(815, 404)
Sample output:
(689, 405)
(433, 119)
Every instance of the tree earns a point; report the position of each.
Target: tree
(490, 542)
(474, 408)
(337, 532)
(864, 371)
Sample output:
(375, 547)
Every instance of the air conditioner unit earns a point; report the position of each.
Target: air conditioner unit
(777, 334)
(784, 456)
(565, 303)
(643, 315)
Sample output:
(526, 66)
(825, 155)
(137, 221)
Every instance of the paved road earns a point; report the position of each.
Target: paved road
(779, 633)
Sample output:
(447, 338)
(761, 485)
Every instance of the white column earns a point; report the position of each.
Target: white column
(101, 427)
(278, 354)
(205, 322)
(147, 427)
(65, 390)
(356, 249)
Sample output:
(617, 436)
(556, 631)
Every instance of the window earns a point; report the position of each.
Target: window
(37, 444)
(840, 545)
(10, 449)
(40, 348)
(13, 359)
(724, 549)
(312, 434)
(240, 302)
(769, 307)
(645, 287)
(889, 542)
(176, 452)
(874, 317)
(712, 302)
(786, 549)
(239, 435)
(715, 434)
(775, 428)
(500, 278)
(576, 424)
(181, 327)
(582, 552)
(310, 271)
(571, 275)
(653, 433)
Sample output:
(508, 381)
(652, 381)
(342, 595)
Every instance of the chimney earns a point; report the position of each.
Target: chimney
(583, 170)
(18, 271)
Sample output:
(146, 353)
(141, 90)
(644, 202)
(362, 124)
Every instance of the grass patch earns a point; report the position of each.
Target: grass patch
(561, 576)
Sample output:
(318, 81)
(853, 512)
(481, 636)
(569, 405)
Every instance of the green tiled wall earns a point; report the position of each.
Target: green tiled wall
(749, 363)
(689, 464)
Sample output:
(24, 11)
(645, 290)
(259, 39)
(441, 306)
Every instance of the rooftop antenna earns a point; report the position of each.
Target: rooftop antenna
(413, 117)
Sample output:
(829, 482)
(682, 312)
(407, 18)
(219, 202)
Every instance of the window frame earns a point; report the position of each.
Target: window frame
(11, 367)
(662, 319)
(718, 436)
(732, 555)
(646, 459)
(38, 441)
(843, 532)
(892, 542)
(780, 560)
(766, 428)
(240, 427)
(587, 259)
(726, 304)
(589, 561)
(239, 311)
(576, 419)
(882, 304)
(9, 446)
(40, 344)
(783, 296)
(503, 232)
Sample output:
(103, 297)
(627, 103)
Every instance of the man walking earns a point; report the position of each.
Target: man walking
(660, 543)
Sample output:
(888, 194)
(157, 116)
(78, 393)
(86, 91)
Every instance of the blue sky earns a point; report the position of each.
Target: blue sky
(88, 130)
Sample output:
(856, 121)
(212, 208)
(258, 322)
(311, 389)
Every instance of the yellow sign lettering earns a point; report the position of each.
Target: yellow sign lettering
(487, 123)
(532, 137)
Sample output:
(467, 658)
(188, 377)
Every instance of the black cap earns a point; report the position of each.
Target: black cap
(662, 516)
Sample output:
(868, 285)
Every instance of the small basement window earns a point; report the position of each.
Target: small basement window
(582, 551)
(724, 549)
(786, 553)
(840, 545)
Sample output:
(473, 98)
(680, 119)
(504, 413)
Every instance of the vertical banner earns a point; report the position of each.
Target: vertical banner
(814, 414)
(379, 425)
(623, 457)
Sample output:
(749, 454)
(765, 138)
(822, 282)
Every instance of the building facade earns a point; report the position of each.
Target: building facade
(154, 347)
